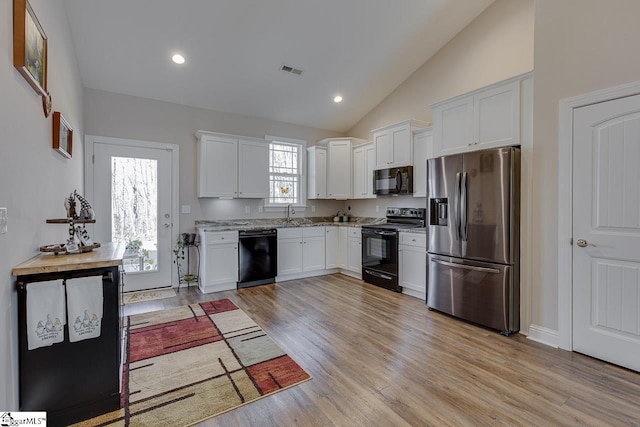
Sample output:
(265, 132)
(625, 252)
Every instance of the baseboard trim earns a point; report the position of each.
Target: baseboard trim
(544, 335)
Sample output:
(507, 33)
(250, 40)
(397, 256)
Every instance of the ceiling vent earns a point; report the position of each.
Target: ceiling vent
(290, 69)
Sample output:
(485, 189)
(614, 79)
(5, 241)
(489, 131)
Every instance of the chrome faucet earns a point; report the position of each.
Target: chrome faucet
(290, 211)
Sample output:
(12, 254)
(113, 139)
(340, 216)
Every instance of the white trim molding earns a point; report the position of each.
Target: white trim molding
(543, 335)
(565, 200)
(174, 149)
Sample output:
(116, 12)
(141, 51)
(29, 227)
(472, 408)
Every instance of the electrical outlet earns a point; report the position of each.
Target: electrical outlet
(186, 209)
(377, 208)
(3, 220)
(260, 209)
(313, 208)
(247, 209)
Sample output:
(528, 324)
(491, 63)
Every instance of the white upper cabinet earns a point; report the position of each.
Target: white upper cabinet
(217, 166)
(338, 166)
(422, 150)
(485, 118)
(232, 166)
(253, 169)
(339, 169)
(394, 144)
(364, 163)
(316, 172)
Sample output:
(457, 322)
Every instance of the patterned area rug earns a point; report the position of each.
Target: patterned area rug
(190, 363)
(151, 294)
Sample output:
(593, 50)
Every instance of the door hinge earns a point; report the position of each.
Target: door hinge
(93, 158)
(571, 241)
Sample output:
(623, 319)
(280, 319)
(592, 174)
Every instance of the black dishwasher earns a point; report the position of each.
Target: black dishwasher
(257, 263)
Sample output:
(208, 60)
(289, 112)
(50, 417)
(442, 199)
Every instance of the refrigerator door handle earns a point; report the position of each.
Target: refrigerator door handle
(456, 203)
(464, 208)
(466, 267)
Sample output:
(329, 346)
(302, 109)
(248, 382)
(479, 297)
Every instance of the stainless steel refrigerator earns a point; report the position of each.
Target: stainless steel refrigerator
(473, 203)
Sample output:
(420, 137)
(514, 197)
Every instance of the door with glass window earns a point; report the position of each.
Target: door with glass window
(132, 198)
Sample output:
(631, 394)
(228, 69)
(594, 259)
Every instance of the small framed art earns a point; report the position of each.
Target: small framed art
(29, 46)
(62, 135)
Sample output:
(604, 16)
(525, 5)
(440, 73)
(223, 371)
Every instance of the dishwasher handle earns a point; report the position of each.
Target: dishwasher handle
(257, 233)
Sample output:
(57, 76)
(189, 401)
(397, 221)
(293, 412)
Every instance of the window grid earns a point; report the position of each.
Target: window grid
(284, 173)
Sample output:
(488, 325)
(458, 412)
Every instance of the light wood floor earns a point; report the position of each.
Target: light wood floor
(382, 359)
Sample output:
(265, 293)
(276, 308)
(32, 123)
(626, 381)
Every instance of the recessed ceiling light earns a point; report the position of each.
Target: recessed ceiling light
(337, 99)
(178, 59)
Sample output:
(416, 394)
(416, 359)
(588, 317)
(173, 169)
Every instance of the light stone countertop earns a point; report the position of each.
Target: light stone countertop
(255, 224)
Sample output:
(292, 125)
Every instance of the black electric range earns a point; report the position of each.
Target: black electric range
(380, 246)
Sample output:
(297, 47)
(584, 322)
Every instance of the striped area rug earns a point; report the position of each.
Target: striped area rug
(190, 363)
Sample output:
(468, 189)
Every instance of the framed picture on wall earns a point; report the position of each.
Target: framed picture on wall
(29, 46)
(62, 135)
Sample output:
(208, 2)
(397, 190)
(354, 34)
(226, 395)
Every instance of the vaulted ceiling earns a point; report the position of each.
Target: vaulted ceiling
(234, 49)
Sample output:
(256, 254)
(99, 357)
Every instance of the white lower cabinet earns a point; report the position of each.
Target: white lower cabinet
(332, 247)
(219, 261)
(300, 249)
(412, 264)
(355, 251)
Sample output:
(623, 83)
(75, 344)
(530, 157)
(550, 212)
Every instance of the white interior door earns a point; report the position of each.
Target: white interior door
(132, 198)
(606, 231)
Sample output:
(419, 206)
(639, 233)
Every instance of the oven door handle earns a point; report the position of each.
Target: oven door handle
(380, 275)
(378, 232)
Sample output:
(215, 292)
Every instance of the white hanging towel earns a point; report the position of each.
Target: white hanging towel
(46, 315)
(84, 307)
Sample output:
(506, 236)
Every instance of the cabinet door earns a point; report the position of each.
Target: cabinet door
(497, 116)
(370, 165)
(453, 126)
(343, 245)
(422, 150)
(355, 254)
(359, 173)
(253, 169)
(317, 173)
(412, 270)
(217, 166)
(332, 247)
(401, 146)
(339, 170)
(289, 256)
(382, 141)
(313, 253)
(221, 262)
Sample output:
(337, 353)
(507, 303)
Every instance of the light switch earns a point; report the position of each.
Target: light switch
(186, 209)
(313, 208)
(247, 209)
(3, 220)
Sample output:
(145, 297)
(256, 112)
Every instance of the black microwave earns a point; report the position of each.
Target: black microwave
(393, 181)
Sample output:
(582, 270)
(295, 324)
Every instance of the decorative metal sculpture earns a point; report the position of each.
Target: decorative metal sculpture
(86, 212)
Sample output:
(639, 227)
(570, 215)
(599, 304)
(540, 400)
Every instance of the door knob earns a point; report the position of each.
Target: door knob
(583, 243)
(167, 224)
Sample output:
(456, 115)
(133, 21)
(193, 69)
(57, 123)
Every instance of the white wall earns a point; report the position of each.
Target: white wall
(496, 45)
(124, 116)
(580, 46)
(34, 178)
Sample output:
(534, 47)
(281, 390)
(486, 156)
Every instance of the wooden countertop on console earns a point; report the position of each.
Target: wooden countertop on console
(107, 255)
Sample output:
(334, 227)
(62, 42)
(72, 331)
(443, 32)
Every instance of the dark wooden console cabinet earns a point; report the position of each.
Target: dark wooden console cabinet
(73, 381)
